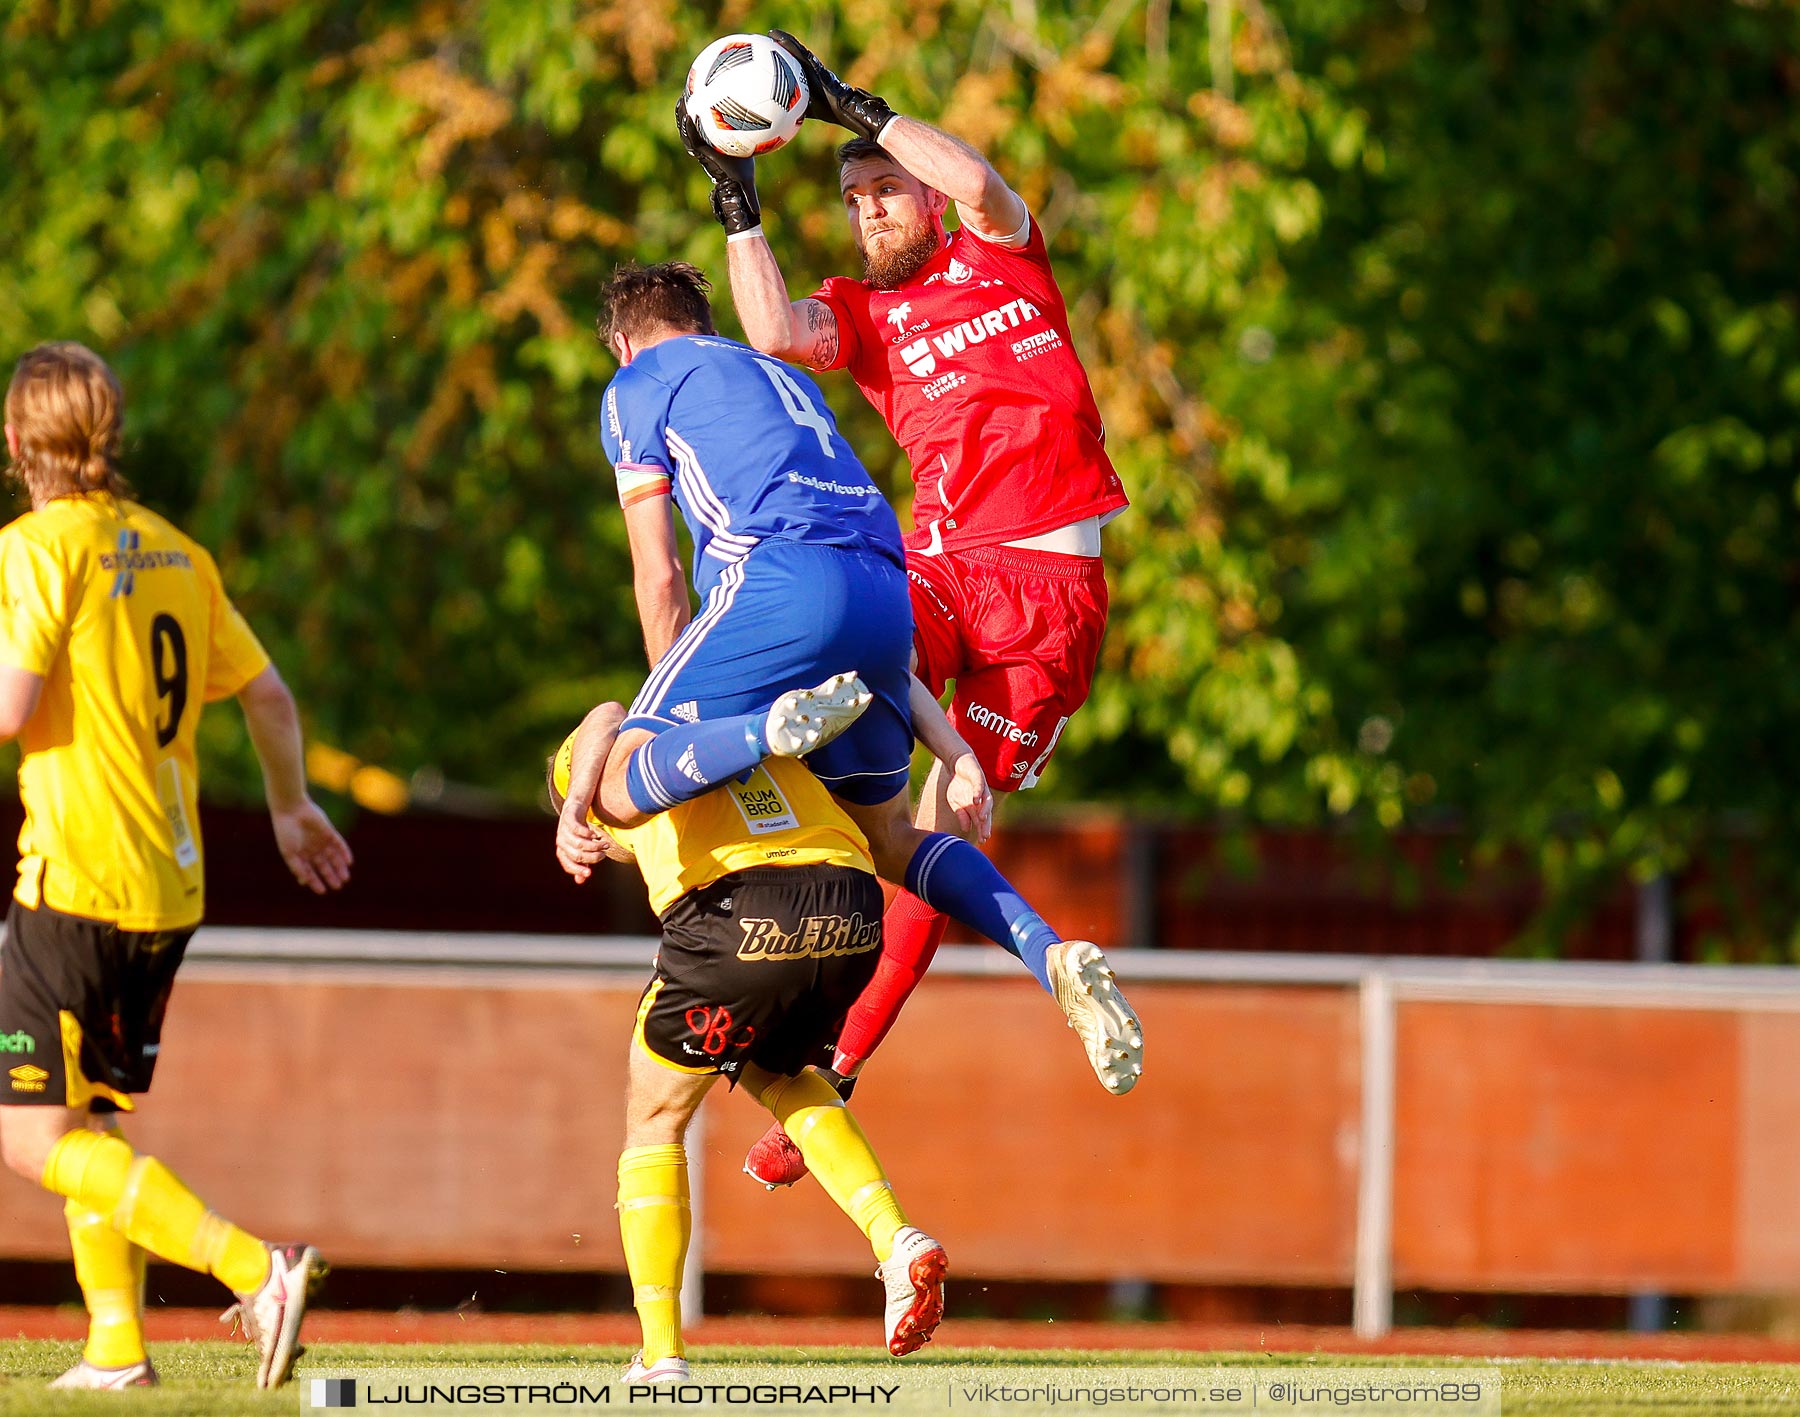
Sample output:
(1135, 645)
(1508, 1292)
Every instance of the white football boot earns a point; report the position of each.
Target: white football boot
(914, 1277)
(271, 1316)
(1088, 994)
(86, 1376)
(663, 1372)
(804, 719)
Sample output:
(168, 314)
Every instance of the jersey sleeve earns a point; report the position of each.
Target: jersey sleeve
(632, 423)
(234, 655)
(1025, 266)
(847, 300)
(35, 603)
(1016, 241)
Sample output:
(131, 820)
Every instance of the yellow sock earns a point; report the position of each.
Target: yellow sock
(654, 1220)
(837, 1152)
(146, 1203)
(110, 1270)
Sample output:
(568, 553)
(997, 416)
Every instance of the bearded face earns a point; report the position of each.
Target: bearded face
(895, 219)
(888, 264)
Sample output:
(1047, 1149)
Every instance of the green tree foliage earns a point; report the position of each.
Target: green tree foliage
(1447, 349)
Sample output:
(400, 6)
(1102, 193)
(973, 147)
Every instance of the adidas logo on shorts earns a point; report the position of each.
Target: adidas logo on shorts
(688, 712)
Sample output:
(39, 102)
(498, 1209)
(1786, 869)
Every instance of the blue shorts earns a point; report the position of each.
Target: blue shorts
(789, 616)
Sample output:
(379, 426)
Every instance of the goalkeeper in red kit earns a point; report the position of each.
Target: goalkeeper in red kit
(961, 340)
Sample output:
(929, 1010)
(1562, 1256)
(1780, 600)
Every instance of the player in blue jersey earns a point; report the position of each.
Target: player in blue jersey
(797, 554)
(798, 560)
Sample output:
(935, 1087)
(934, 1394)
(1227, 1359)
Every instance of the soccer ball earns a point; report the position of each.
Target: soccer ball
(747, 95)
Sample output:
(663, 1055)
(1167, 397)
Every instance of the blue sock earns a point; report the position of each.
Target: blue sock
(950, 875)
(680, 764)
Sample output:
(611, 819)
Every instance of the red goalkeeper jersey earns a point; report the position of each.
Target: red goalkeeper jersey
(972, 366)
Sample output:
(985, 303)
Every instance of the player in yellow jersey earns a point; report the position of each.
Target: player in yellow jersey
(771, 919)
(114, 630)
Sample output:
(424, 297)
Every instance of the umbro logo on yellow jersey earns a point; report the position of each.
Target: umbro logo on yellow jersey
(28, 1077)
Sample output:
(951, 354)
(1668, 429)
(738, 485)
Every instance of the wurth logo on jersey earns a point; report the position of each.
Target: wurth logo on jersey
(985, 326)
(921, 360)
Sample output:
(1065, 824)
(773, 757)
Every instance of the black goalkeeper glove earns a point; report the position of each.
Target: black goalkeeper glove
(734, 201)
(832, 100)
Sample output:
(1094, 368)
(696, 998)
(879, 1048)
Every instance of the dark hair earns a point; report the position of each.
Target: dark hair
(638, 299)
(865, 150)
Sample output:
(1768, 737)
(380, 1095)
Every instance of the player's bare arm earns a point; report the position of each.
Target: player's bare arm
(966, 792)
(612, 802)
(319, 858)
(984, 202)
(800, 331)
(948, 164)
(657, 580)
(579, 847)
(20, 690)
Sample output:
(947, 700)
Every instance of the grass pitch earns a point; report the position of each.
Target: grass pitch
(215, 1379)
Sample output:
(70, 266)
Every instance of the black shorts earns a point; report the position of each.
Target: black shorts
(81, 1008)
(760, 966)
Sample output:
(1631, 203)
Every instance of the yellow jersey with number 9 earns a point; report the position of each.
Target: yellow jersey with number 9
(129, 625)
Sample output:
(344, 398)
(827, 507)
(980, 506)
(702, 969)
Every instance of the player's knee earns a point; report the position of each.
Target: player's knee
(892, 845)
(655, 1131)
(654, 1122)
(891, 858)
(25, 1144)
(657, 1118)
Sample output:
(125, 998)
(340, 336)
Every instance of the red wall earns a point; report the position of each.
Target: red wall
(468, 1121)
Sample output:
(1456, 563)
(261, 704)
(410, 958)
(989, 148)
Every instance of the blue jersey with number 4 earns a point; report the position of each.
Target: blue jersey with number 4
(749, 448)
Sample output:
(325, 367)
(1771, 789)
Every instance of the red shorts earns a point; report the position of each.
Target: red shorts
(1019, 631)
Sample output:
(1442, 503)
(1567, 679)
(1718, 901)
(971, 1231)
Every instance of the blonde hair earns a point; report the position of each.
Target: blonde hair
(68, 411)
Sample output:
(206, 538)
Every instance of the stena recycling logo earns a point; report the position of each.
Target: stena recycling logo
(919, 358)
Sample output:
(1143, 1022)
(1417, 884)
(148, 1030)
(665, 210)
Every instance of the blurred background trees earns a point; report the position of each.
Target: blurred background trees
(1448, 351)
